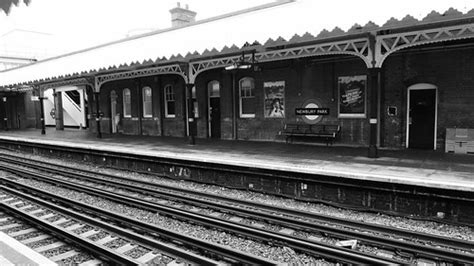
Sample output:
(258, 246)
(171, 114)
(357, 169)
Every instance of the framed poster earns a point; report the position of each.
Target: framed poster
(274, 97)
(352, 96)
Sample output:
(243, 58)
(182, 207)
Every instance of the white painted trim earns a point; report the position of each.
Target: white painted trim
(67, 88)
(421, 86)
(124, 103)
(242, 115)
(143, 102)
(166, 102)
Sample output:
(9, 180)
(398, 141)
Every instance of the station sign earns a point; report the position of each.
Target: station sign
(312, 111)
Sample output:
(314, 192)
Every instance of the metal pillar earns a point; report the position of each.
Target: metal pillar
(234, 106)
(98, 113)
(5, 119)
(43, 127)
(58, 106)
(374, 86)
(191, 119)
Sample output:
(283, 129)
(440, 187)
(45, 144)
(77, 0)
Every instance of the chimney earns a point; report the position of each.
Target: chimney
(182, 16)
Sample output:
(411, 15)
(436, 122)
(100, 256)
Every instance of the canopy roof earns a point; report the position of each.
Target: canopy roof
(6, 5)
(267, 25)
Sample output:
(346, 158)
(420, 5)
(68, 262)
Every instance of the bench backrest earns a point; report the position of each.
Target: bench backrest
(305, 128)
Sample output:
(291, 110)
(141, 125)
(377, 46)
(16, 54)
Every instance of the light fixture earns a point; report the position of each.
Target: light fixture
(242, 63)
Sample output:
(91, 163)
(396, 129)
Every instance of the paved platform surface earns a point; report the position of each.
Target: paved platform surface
(13, 253)
(412, 167)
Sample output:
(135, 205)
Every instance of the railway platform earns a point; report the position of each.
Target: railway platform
(13, 252)
(433, 169)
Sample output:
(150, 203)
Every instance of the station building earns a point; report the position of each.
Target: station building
(399, 85)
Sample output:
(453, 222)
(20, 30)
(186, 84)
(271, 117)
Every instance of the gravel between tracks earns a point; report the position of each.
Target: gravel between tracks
(276, 253)
(431, 227)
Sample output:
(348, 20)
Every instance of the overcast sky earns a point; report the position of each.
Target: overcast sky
(108, 17)
(90, 22)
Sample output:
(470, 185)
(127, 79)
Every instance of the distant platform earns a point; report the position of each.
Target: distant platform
(12, 252)
(434, 169)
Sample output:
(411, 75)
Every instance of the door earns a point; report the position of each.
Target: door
(422, 118)
(113, 111)
(215, 117)
(214, 109)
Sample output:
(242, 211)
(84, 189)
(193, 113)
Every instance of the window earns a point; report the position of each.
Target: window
(214, 89)
(147, 102)
(127, 103)
(169, 102)
(247, 97)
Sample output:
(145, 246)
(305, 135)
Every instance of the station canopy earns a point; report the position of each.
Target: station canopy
(282, 21)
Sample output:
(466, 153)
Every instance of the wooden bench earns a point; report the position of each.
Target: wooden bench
(327, 132)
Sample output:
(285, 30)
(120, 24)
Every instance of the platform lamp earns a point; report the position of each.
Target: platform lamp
(240, 64)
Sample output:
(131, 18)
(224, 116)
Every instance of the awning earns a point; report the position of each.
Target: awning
(282, 19)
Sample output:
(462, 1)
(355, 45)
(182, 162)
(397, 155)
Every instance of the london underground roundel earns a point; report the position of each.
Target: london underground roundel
(311, 119)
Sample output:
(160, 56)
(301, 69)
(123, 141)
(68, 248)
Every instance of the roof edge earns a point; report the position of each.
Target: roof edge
(211, 19)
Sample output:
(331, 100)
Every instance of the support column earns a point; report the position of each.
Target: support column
(192, 127)
(234, 106)
(5, 119)
(97, 113)
(43, 127)
(374, 90)
(58, 107)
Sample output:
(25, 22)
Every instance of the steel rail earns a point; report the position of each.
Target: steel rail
(420, 250)
(407, 246)
(380, 229)
(85, 244)
(219, 250)
(336, 253)
(150, 243)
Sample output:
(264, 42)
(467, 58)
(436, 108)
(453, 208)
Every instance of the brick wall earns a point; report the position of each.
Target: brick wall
(303, 80)
(451, 71)
(137, 124)
(316, 78)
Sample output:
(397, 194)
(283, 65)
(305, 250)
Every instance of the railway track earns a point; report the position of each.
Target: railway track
(294, 220)
(332, 253)
(142, 241)
(115, 244)
(99, 243)
(33, 235)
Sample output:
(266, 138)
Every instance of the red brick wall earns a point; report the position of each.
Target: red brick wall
(452, 71)
(303, 80)
(137, 124)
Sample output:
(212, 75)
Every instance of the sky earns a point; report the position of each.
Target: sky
(96, 21)
(75, 24)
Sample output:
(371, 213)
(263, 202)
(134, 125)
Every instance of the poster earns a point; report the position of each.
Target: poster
(274, 93)
(352, 96)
